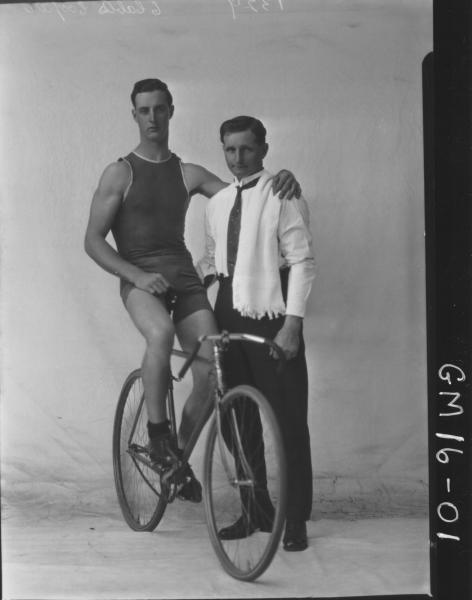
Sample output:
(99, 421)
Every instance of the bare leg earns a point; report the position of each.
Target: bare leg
(151, 318)
(200, 400)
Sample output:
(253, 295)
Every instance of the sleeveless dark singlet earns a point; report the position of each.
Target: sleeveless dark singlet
(149, 230)
(151, 220)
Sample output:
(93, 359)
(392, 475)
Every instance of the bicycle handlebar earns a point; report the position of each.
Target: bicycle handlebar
(224, 338)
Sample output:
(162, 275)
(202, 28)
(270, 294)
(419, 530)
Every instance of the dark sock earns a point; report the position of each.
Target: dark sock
(157, 429)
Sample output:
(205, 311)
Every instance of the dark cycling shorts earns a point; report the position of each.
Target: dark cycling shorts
(187, 294)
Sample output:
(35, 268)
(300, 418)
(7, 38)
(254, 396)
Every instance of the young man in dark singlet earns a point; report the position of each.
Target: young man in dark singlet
(143, 200)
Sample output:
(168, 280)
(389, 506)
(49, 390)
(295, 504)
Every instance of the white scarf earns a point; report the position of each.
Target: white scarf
(257, 290)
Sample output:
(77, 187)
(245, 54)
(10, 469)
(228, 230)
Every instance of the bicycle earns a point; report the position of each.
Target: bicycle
(230, 472)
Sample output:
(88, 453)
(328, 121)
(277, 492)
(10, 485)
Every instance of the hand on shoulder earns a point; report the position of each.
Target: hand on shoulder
(285, 185)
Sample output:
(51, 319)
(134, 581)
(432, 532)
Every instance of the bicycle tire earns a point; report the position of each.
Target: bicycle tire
(141, 497)
(244, 559)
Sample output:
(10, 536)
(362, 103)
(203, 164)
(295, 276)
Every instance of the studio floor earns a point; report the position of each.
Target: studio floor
(64, 551)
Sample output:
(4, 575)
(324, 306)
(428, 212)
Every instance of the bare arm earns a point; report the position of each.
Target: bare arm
(206, 265)
(105, 205)
(201, 181)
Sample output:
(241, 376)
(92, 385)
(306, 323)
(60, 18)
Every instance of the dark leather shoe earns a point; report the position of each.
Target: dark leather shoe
(191, 488)
(162, 451)
(243, 528)
(295, 537)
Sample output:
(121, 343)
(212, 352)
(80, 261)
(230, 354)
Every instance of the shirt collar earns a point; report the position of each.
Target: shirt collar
(248, 179)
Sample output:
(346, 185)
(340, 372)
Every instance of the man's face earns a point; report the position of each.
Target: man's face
(152, 114)
(244, 156)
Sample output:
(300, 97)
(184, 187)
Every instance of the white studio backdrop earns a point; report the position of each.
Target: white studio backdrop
(338, 86)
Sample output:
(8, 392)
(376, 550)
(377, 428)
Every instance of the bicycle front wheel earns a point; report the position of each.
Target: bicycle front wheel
(142, 498)
(245, 483)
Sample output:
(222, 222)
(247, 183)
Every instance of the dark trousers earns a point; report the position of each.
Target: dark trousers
(249, 363)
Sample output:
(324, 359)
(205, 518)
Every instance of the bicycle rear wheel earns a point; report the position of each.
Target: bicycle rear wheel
(142, 498)
(245, 477)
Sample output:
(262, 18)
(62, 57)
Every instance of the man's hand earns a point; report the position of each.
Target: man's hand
(154, 283)
(285, 185)
(288, 337)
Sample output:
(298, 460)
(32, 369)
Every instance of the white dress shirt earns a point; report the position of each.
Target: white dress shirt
(274, 234)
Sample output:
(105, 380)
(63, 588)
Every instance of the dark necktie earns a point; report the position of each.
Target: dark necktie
(234, 226)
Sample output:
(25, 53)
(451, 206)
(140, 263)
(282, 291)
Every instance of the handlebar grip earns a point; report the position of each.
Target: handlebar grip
(280, 353)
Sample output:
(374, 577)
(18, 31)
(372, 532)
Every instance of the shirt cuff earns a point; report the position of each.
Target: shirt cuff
(300, 280)
(204, 268)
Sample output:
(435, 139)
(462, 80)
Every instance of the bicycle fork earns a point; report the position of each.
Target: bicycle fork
(235, 440)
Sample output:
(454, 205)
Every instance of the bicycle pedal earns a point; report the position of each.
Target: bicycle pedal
(169, 473)
(157, 468)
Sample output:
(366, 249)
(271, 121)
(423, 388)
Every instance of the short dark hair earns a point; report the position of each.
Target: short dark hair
(150, 85)
(244, 123)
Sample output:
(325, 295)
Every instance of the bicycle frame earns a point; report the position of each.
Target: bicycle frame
(220, 341)
(231, 474)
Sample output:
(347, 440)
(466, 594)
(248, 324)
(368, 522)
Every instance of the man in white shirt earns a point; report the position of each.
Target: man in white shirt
(259, 248)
